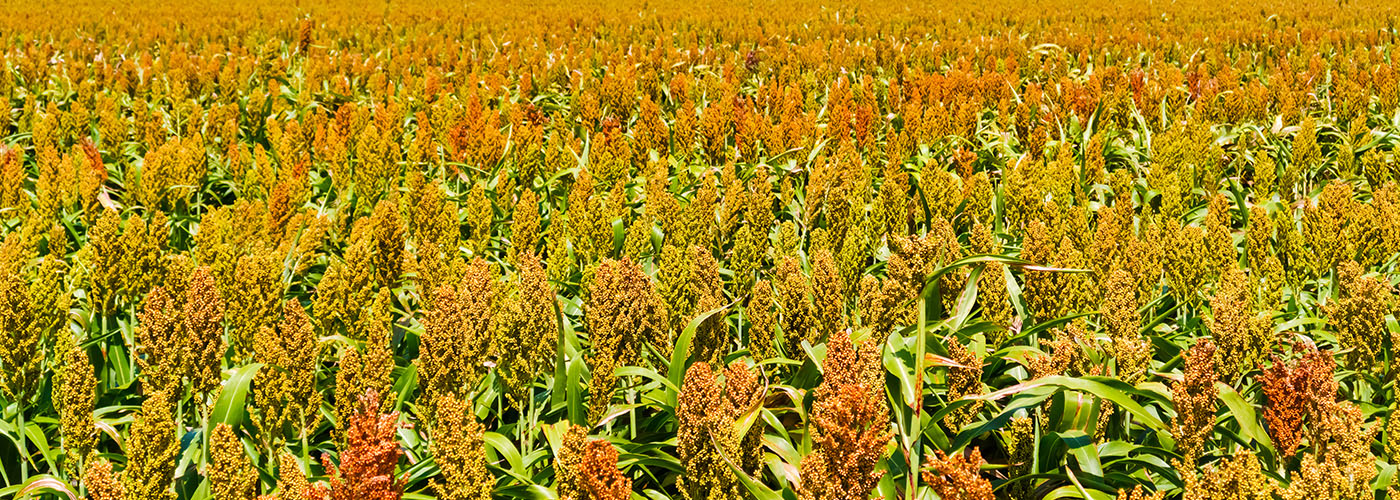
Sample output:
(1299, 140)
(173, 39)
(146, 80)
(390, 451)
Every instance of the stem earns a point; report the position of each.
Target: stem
(305, 453)
(102, 325)
(82, 485)
(529, 436)
(4, 475)
(632, 415)
(23, 445)
(180, 412)
(918, 403)
(208, 435)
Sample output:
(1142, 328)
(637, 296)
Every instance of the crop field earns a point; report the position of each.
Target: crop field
(666, 250)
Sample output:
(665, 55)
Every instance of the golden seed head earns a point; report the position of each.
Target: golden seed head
(231, 473)
(286, 387)
(77, 393)
(460, 453)
(705, 430)
(1195, 401)
(957, 476)
(151, 451)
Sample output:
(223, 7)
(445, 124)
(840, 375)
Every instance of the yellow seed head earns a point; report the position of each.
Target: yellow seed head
(254, 298)
(286, 387)
(705, 429)
(762, 319)
(460, 453)
(151, 451)
(203, 344)
(623, 312)
(1359, 315)
(527, 332)
(1241, 334)
(77, 392)
(231, 474)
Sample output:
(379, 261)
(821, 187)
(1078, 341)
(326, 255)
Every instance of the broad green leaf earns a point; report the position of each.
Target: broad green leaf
(1244, 415)
(754, 487)
(506, 449)
(44, 482)
(231, 408)
(1081, 445)
(680, 353)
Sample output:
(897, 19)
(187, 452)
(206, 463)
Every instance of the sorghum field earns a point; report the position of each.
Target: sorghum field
(656, 249)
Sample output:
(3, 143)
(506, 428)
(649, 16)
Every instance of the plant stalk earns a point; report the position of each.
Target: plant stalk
(23, 444)
(917, 424)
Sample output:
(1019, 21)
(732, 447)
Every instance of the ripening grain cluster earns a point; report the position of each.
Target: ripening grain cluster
(616, 250)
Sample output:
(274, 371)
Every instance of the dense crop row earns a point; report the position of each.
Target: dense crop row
(767, 250)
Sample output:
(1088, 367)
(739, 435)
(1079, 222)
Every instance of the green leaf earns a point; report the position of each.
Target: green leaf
(577, 413)
(755, 488)
(506, 449)
(680, 354)
(895, 366)
(232, 407)
(1090, 494)
(41, 442)
(1081, 445)
(39, 483)
(1244, 415)
(646, 373)
(931, 280)
(405, 383)
(1105, 391)
(967, 299)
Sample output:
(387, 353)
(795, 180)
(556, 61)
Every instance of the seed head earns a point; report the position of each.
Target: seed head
(371, 453)
(387, 230)
(705, 430)
(795, 305)
(1195, 401)
(600, 477)
(1238, 477)
(1291, 389)
(762, 321)
(231, 474)
(1019, 441)
(20, 338)
(479, 218)
(525, 226)
(623, 309)
(568, 481)
(1359, 315)
(203, 344)
(151, 451)
(828, 297)
(850, 423)
(105, 256)
(527, 332)
(348, 285)
(158, 338)
(1220, 244)
(1132, 352)
(1185, 251)
(956, 477)
(286, 386)
(1137, 493)
(77, 392)
(370, 370)
(252, 302)
(1240, 333)
(459, 451)
(101, 483)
